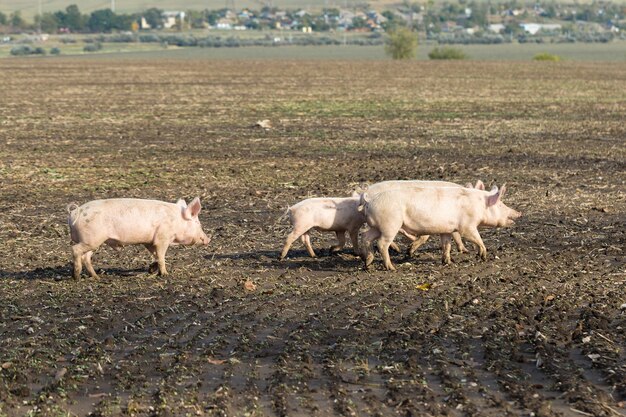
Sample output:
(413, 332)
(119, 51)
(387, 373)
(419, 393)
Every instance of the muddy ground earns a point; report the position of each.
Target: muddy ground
(536, 330)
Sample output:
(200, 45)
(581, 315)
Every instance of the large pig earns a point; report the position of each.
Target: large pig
(424, 211)
(128, 221)
(418, 241)
(339, 215)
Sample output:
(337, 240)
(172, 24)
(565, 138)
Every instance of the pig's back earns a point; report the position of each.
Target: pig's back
(127, 220)
(383, 186)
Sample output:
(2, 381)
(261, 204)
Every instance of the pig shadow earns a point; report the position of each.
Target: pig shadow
(55, 273)
(62, 273)
(325, 261)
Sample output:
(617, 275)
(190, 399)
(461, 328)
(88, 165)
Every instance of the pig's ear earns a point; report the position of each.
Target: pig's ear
(195, 206)
(182, 203)
(363, 200)
(493, 197)
(355, 193)
(192, 210)
(479, 185)
(502, 190)
(469, 185)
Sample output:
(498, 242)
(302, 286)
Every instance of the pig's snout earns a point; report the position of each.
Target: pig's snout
(205, 240)
(513, 215)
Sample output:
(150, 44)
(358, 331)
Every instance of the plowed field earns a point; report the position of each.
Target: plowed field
(536, 330)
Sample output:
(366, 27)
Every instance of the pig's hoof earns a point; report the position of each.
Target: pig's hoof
(394, 247)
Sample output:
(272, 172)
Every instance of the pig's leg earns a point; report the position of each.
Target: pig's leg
(354, 238)
(292, 237)
(341, 237)
(366, 251)
(459, 243)
(87, 259)
(78, 251)
(417, 243)
(446, 245)
(161, 248)
(395, 247)
(473, 236)
(306, 239)
(154, 266)
(383, 248)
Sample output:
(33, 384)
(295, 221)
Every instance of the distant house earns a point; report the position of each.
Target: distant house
(496, 27)
(534, 28)
(170, 19)
(224, 24)
(143, 23)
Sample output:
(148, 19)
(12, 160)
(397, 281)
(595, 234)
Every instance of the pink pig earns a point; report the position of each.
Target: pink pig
(339, 215)
(418, 241)
(424, 211)
(128, 221)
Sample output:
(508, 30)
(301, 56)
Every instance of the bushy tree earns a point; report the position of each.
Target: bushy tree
(74, 20)
(71, 18)
(401, 44)
(105, 21)
(48, 22)
(358, 22)
(17, 21)
(447, 52)
(3, 19)
(393, 22)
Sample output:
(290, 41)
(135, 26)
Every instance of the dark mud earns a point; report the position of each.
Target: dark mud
(536, 330)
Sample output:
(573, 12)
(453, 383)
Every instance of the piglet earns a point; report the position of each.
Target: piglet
(129, 221)
(337, 215)
(441, 210)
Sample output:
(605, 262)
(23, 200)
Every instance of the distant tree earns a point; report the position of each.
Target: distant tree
(124, 21)
(401, 44)
(197, 19)
(17, 21)
(71, 18)
(305, 22)
(212, 16)
(447, 52)
(358, 22)
(320, 25)
(102, 21)
(479, 14)
(3, 19)
(549, 11)
(74, 20)
(48, 22)
(330, 12)
(154, 17)
(513, 28)
(393, 22)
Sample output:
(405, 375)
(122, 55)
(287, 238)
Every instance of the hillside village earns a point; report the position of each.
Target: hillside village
(447, 22)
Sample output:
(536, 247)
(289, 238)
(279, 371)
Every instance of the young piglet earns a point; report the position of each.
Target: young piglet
(129, 221)
(425, 211)
(337, 215)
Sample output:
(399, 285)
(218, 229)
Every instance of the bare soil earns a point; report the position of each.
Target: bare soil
(536, 330)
